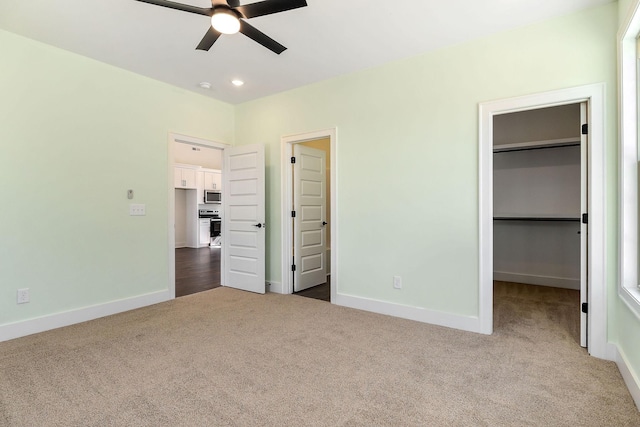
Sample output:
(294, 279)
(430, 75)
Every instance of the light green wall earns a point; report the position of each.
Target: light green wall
(626, 336)
(624, 326)
(75, 134)
(408, 153)
(623, 9)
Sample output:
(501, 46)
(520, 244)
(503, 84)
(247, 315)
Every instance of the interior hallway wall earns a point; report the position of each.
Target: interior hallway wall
(181, 217)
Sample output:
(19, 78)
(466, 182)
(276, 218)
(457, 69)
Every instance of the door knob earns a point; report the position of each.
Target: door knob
(260, 225)
(324, 223)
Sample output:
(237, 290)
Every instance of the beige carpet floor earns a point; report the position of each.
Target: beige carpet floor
(230, 358)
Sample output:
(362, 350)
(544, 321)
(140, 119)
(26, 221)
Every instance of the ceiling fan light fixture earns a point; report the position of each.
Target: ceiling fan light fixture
(225, 21)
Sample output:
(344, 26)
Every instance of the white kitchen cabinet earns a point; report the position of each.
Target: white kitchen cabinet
(204, 233)
(212, 180)
(184, 177)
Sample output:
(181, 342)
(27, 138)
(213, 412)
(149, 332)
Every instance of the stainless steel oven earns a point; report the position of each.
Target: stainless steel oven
(215, 225)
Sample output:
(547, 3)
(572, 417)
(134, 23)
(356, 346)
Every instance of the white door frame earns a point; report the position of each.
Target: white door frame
(174, 138)
(287, 202)
(594, 95)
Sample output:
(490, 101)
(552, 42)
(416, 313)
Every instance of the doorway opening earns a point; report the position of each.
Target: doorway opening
(195, 223)
(309, 227)
(592, 267)
(540, 225)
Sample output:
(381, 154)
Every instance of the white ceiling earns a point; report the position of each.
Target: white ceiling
(325, 39)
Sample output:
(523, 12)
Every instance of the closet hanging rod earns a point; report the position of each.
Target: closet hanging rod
(498, 149)
(535, 218)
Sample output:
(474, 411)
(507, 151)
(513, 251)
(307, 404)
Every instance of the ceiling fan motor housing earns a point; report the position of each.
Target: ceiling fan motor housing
(227, 9)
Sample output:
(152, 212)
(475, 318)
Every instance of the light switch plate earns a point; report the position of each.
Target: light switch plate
(137, 209)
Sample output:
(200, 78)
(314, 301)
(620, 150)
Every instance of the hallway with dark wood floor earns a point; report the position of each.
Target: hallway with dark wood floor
(197, 270)
(321, 292)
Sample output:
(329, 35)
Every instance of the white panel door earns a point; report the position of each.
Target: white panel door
(243, 233)
(310, 205)
(584, 228)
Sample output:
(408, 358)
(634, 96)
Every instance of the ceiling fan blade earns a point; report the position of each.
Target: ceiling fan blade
(268, 7)
(209, 39)
(258, 36)
(179, 6)
(233, 3)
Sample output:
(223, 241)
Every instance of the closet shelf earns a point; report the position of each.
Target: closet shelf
(537, 145)
(536, 218)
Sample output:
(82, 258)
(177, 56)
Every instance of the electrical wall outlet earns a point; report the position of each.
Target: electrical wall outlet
(397, 282)
(137, 209)
(23, 296)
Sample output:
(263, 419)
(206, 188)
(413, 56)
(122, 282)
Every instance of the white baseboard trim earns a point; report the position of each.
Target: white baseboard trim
(629, 376)
(71, 317)
(611, 352)
(556, 282)
(465, 323)
(275, 287)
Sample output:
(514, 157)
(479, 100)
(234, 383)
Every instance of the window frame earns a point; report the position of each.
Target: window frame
(628, 285)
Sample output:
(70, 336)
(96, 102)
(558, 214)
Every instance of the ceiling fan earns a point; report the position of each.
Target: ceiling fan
(228, 17)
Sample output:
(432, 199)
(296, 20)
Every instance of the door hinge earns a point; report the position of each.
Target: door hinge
(585, 218)
(293, 267)
(293, 160)
(293, 214)
(585, 307)
(585, 129)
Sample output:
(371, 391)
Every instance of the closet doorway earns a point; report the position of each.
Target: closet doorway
(592, 265)
(540, 217)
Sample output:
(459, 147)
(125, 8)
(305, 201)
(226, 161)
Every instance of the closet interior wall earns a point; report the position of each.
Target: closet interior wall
(537, 183)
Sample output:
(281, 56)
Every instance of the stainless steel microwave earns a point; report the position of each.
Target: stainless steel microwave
(212, 196)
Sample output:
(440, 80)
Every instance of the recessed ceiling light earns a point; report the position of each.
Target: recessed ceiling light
(205, 85)
(237, 82)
